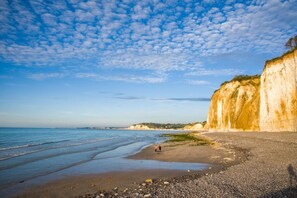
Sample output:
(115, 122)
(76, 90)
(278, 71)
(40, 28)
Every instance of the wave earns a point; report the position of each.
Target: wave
(15, 155)
(33, 159)
(79, 162)
(31, 145)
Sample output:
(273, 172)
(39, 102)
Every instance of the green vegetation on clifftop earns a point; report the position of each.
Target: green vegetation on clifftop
(241, 78)
(163, 126)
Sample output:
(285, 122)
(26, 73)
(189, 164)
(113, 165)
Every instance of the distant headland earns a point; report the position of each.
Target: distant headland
(168, 126)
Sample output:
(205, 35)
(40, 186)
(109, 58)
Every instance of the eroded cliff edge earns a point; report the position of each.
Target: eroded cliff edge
(235, 106)
(258, 103)
(278, 94)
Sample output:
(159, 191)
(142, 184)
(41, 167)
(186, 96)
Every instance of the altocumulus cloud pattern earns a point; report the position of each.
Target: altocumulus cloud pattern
(148, 35)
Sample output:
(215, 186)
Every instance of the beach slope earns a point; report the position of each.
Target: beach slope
(242, 165)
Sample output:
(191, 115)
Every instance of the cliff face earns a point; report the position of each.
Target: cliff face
(266, 103)
(278, 103)
(138, 127)
(195, 126)
(235, 106)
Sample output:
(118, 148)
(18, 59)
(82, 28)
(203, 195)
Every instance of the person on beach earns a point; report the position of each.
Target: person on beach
(157, 148)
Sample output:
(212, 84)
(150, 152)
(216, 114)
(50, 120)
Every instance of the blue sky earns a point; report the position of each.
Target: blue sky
(114, 63)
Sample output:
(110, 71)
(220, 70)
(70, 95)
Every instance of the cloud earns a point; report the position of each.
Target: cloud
(141, 35)
(129, 98)
(152, 78)
(86, 75)
(188, 99)
(198, 82)
(217, 72)
(156, 62)
(43, 76)
(135, 78)
(163, 99)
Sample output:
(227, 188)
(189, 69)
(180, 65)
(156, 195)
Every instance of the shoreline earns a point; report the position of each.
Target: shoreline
(264, 165)
(217, 157)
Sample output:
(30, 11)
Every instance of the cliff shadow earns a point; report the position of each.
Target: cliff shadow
(289, 192)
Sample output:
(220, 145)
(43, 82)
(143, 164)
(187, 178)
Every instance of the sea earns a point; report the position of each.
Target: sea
(32, 156)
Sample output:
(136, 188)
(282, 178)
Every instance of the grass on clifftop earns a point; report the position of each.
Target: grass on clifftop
(195, 138)
(280, 57)
(164, 126)
(241, 78)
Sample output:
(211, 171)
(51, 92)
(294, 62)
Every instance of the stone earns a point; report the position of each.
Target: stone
(147, 195)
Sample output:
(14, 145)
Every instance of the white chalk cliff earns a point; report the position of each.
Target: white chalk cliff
(278, 94)
(235, 106)
(265, 103)
(138, 127)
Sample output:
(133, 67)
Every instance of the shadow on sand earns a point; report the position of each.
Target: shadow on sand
(292, 176)
(289, 192)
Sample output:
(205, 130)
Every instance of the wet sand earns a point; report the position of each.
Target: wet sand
(92, 184)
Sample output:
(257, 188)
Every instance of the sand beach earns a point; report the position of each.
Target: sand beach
(241, 165)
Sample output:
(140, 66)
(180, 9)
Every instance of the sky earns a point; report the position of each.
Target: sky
(71, 63)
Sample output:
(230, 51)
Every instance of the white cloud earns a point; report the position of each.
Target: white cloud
(86, 75)
(43, 76)
(214, 72)
(159, 78)
(145, 35)
(198, 82)
(156, 62)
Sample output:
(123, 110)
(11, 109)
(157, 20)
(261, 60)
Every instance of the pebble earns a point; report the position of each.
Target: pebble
(143, 184)
(149, 181)
(126, 190)
(101, 195)
(224, 183)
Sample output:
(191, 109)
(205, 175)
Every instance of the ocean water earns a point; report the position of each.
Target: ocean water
(32, 156)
